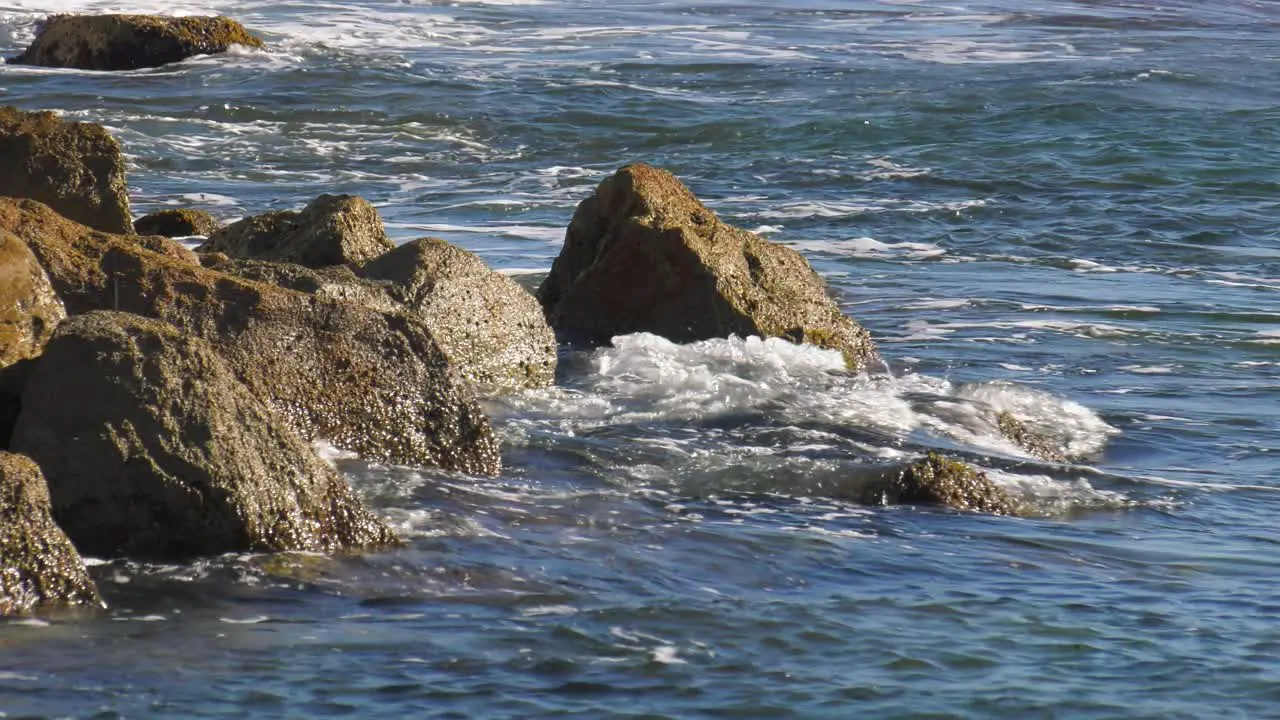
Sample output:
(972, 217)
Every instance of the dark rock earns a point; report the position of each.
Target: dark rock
(73, 167)
(371, 382)
(643, 254)
(29, 309)
(177, 223)
(936, 480)
(1027, 439)
(39, 567)
(13, 379)
(152, 448)
(491, 328)
(129, 42)
(332, 230)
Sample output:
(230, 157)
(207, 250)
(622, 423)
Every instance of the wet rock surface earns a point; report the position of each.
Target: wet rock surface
(937, 480)
(130, 42)
(1027, 439)
(29, 308)
(152, 448)
(643, 254)
(39, 567)
(375, 383)
(177, 223)
(331, 230)
(73, 167)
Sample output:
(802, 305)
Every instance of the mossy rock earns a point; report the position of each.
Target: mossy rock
(1027, 439)
(130, 42)
(938, 480)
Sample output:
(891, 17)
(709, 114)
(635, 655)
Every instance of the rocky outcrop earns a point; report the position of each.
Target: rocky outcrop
(643, 254)
(39, 567)
(332, 230)
(936, 480)
(1027, 439)
(371, 382)
(129, 42)
(491, 329)
(73, 167)
(152, 448)
(29, 309)
(176, 223)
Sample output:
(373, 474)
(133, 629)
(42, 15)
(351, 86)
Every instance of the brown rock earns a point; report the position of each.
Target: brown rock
(332, 230)
(491, 328)
(936, 480)
(1027, 439)
(153, 448)
(642, 254)
(374, 383)
(129, 42)
(73, 167)
(39, 567)
(177, 223)
(29, 309)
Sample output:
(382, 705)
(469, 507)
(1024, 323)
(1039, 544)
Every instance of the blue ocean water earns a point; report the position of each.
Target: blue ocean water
(1064, 209)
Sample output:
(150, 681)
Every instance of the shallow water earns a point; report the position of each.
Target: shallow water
(1064, 209)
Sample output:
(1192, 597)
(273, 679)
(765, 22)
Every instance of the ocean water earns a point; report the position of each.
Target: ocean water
(1064, 209)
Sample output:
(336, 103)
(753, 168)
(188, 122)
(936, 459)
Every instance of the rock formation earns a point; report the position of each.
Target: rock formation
(39, 567)
(73, 167)
(176, 223)
(152, 448)
(332, 230)
(129, 42)
(643, 254)
(29, 309)
(936, 480)
(372, 382)
(1027, 439)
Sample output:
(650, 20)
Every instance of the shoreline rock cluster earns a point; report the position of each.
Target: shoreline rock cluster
(157, 402)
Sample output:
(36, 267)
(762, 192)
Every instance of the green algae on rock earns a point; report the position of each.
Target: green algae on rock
(39, 567)
(330, 230)
(642, 254)
(174, 223)
(130, 42)
(76, 168)
(153, 448)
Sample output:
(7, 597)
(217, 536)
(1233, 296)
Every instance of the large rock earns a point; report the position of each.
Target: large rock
(371, 382)
(29, 309)
(39, 567)
(643, 254)
(491, 329)
(129, 42)
(73, 167)
(176, 222)
(153, 448)
(937, 480)
(332, 230)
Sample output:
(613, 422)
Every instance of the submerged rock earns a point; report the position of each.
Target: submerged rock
(176, 223)
(375, 383)
(936, 480)
(491, 328)
(1027, 439)
(39, 567)
(332, 230)
(643, 254)
(129, 42)
(73, 167)
(29, 309)
(153, 448)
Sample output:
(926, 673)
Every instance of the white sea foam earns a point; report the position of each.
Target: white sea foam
(835, 209)
(870, 248)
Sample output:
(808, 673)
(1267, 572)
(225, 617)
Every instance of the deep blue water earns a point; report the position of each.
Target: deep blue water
(1065, 209)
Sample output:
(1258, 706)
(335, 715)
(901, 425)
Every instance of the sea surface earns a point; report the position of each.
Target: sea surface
(1067, 210)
